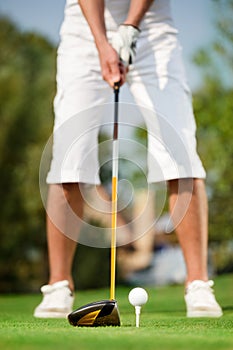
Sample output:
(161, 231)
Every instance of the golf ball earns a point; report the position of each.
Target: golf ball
(138, 296)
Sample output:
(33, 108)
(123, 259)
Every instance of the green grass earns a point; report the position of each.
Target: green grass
(163, 323)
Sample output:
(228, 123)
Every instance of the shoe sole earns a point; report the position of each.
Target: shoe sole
(204, 313)
(51, 314)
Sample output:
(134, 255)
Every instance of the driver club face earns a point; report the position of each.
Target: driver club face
(101, 313)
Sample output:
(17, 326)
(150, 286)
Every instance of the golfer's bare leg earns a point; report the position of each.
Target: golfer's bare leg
(189, 210)
(64, 211)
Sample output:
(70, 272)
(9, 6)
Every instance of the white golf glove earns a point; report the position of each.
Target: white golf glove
(124, 42)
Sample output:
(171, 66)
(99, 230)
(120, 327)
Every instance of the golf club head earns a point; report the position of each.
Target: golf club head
(101, 313)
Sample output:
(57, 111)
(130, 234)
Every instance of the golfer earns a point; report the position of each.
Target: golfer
(135, 43)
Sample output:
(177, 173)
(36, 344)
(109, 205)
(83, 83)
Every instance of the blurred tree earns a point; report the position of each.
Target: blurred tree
(27, 84)
(213, 104)
(27, 88)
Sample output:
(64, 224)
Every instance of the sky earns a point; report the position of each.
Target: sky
(193, 18)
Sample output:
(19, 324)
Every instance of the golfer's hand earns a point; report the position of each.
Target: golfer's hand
(124, 42)
(112, 68)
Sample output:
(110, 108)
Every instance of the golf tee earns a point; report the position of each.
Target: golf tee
(137, 312)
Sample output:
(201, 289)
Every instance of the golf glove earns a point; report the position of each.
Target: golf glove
(124, 42)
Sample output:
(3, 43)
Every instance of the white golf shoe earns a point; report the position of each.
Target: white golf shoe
(200, 300)
(57, 301)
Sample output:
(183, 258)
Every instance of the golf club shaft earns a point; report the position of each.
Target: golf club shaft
(115, 151)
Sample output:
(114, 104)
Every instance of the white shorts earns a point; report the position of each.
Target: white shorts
(157, 83)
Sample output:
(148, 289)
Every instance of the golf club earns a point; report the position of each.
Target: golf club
(105, 312)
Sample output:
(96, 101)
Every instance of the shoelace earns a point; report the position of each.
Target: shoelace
(200, 285)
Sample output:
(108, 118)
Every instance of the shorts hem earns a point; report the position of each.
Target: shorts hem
(70, 177)
(174, 176)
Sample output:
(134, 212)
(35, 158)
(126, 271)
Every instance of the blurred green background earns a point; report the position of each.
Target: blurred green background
(27, 89)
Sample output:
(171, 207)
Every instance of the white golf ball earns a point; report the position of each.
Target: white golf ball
(138, 296)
